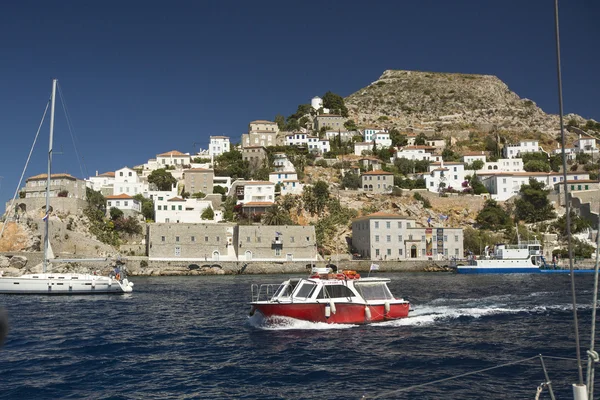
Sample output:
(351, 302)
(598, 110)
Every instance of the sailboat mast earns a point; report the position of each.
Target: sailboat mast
(48, 180)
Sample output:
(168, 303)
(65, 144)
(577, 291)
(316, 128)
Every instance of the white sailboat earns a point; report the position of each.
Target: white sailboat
(54, 283)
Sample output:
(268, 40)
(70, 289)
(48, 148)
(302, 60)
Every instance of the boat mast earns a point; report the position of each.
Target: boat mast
(47, 216)
(580, 387)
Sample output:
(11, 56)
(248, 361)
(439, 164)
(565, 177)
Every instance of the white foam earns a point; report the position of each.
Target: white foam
(286, 323)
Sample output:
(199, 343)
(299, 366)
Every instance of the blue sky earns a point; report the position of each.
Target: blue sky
(142, 78)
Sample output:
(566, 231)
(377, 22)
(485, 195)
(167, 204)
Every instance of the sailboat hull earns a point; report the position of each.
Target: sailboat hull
(63, 284)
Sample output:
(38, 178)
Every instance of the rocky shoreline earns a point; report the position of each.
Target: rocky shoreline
(15, 264)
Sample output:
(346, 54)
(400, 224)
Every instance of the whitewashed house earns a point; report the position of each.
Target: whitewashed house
(288, 182)
(445, 175)
(517, 150)
(218, 145)
(124, 202)
(359, 147)
(296, 139)
(316, 145)
(370, 134)
(127, 181)
(178, 210)
(282, 163)
(503, 186)
(173, 158)
(252, 191)
(102, 182)
(469, 157)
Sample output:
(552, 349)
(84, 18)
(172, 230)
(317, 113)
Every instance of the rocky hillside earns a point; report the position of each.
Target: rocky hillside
(443, 101)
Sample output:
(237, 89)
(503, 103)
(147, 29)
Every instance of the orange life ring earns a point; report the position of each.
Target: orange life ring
(118, 276)
(340, 276)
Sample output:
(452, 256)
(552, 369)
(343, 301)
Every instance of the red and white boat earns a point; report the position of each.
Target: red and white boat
(335, 298)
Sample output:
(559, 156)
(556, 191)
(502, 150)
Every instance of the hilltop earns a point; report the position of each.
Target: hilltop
(438, 102)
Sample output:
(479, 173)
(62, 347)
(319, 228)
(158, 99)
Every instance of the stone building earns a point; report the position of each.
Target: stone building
(276, 243)
(198, 180)
(382, 236)
(377, 181)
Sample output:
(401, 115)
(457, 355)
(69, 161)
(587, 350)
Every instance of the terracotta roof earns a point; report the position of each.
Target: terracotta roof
(282, 172)
(440, 169)
(258, 204)
(447, 163)
(262, 131)
(328, 115)
(378, 172)
(119, 196)
(172, 153)
(263, 121)
(219, 137)
(381, 214)
(579, 181)
(254, 147)
(474, 153)
(176, 199)
(198, 170)
(45, 176)
(258, 183)
(421, 146)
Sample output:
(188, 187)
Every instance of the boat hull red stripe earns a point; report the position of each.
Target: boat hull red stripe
(346, 313)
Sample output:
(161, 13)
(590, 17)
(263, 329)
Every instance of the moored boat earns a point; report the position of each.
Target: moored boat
(334, 298)
(524, 257)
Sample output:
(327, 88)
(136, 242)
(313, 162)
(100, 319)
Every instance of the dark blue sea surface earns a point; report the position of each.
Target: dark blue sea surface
(192, 338)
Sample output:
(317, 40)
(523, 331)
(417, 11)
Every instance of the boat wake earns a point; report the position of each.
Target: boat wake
(286, 323)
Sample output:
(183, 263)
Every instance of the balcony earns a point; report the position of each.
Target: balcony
(277, 243)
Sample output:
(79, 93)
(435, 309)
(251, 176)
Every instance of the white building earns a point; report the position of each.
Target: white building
(504, 165)
(445, 175)
(252, 191)
(359, 147)
(517, 150)
(296, 139)
(416, 153)
(127, 181)
(288, 182)
(282, 163)
(178, 210)
(218, 145)
(370, 133)
(173, 158)
(316, 145)
(103, 181)
(125, 203)
(469, 157)
(502, 186)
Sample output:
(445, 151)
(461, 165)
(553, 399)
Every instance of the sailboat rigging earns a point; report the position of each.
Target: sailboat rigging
(59, 283)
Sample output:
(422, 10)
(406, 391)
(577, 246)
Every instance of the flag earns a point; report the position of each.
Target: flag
(278, 233)
(374, 267)
(46, 216)
(429, 221)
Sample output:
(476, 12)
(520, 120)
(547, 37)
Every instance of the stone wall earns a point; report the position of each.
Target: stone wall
(66, 205)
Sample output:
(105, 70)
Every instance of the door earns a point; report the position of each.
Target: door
(248, 255)
(413, 251)
(215, 256)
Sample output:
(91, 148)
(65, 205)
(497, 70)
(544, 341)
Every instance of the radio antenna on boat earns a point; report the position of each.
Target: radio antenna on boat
(579, 389)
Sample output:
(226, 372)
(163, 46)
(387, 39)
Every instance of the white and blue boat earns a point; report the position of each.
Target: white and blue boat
(523, 258)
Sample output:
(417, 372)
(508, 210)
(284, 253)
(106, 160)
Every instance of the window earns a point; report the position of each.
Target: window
(399, 252)
(446, 252)
(334, 291)
(177, 238)
(219, 239)
(177, 251)
(376, 238)
(408, 224)
(291, 239)
(409, 237)
(445, 238)
(377, 252)
(423, 253)
(400, 225)
(388, 225)
(125, 203)
(422, 238)
(306, 290)
(456, 252)
(376, 225)
(388, 238)
(172, 208)
(278, 251)
(162, 238)
(159, 207)
(193, 238)
(456, 238)
(247, 239)
(399, 238)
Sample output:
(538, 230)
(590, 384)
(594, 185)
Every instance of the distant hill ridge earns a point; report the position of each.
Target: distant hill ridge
(448, 101)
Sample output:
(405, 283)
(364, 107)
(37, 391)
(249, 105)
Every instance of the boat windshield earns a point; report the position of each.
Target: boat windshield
(334, 291)
(374, 291)
(286, 289)
(306, 290)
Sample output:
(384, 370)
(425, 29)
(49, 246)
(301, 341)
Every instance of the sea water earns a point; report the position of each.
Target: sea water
(192, 338)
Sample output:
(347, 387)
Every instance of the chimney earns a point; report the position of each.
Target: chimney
(96, 172)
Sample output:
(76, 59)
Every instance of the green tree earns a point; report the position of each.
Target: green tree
(115, 213)
(231, 164)
(351, 181)
(335, 103)
(350, 125)
(301, 111)
(478, 187)
(147, 206)
(163, 179)
(493, 217)
(475, 240)
(536, 166)
(420, 140)
(228, 208)
(533, 204)
(556, 162)
(578, 224)
(277, 215)
(280, 121)
(404, 165)
(449, 155)
(208, 213)
(398, 139)
(219, 189)
(475, 165)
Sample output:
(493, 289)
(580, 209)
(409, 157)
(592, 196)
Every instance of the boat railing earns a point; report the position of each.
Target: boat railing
(263, 292)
